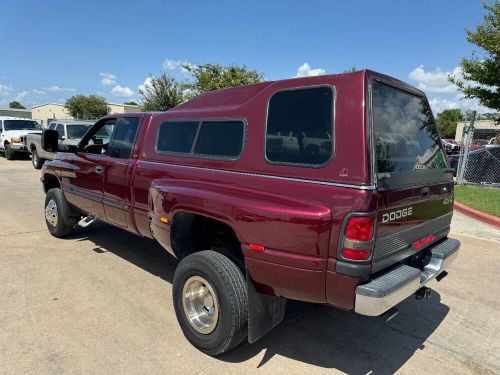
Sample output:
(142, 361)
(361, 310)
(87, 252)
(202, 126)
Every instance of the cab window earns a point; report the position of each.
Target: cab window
(123, 138)
(60, 130)
(97, 140)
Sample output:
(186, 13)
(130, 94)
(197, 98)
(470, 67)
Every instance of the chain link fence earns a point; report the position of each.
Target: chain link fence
(478, 162)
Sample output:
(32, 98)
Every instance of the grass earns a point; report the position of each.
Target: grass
(482, 199)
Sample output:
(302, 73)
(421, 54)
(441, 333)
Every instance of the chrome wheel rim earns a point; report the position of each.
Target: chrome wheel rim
(51, 213)
(34, 158)
(201, 305)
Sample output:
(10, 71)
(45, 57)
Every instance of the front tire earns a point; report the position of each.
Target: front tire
(36, 160)
(58, 214)
(211, 302)
(9, 154)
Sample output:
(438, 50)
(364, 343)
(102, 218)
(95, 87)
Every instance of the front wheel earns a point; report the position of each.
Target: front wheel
(58, 214)
(211, 302)
(36, 160)
(9, 154)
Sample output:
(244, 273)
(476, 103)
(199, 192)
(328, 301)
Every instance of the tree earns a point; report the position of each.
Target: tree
(86, 107)
(161, 93)
(481, 74)
(16, 105)
(447, 122)
(209, 77)
(131, 102)
(352, 69)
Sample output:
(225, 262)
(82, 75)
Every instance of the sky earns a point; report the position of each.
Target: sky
(51, 50)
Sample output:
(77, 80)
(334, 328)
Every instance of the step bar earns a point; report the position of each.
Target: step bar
(389, 289)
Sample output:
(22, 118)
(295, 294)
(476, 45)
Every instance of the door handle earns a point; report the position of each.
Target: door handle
(99, 169)
(426, 192)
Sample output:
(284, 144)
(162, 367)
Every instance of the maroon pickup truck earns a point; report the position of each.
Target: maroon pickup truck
(331, 189)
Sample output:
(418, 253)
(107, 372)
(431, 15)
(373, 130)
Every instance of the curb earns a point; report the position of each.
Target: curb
(478, 215)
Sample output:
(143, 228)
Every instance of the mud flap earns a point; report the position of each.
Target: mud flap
(264, 312)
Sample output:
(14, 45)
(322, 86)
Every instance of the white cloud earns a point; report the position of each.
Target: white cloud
(145, 85)
(21, 96)
(108, 79)
(6, 90)
(122, 91)
(38, 92)
(56, 88)
(305, 71)
(459, 101)
(434, 81)
(170, 64)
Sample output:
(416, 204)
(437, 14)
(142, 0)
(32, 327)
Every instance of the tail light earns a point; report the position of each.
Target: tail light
(358, 238)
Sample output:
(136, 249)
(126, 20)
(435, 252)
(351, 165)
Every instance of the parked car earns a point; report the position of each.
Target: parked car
(451, 146)
(70, 133)
(255, 221)
(478, 144)
(13, 130)
(483, 165)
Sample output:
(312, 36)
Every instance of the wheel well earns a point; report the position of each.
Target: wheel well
(192, 232)
(50, 182)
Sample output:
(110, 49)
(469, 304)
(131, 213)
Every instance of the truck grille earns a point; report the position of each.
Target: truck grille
(393, 243)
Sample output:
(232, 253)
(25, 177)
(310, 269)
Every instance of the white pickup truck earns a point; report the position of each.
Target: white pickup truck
(70, 133)
(13, 131)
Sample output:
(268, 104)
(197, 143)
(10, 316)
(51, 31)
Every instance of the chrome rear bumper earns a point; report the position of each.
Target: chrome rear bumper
(387, 290)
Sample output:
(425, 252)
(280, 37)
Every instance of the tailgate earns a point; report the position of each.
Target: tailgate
(408, 216)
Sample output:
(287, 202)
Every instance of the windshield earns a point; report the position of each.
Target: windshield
(406, 137)
(20, 125)
(77, 131)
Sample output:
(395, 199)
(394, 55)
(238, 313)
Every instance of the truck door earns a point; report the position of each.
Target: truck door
(117, 176)
(83, 181)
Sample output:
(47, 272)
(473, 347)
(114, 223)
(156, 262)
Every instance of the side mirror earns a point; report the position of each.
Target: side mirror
(63, 137)
(50, 140)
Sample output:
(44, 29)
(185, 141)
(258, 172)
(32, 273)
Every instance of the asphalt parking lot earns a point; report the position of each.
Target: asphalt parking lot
(100, 302)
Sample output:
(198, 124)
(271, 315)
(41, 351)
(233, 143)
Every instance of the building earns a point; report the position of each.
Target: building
(45, 113)
(484, 129)
(11, 112)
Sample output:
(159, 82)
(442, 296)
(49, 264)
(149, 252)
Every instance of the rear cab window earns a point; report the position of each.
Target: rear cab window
(300, 127)
(406, 139)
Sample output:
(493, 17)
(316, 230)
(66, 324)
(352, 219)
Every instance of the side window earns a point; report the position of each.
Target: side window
(52, 125)
(97, 139)
(60, 130)
(177, 136)
(300, 127)
(124, 137)
(220, 138)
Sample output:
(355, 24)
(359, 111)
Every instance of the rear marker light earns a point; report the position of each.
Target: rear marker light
(359, 233)
(258, 248)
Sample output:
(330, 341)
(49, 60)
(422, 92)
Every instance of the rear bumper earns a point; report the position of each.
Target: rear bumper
(387, 290)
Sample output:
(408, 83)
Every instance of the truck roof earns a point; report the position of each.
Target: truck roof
(230, 99)
(235, 97)
(14, 118)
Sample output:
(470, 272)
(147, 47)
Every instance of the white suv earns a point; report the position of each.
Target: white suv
(13, 131)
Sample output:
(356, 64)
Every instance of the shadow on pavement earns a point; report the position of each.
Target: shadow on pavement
(315, 334)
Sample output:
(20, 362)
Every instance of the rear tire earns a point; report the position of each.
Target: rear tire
(59, 216)
(9, 154)
(217, 321)
(36, 160)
